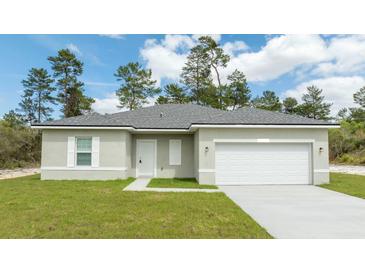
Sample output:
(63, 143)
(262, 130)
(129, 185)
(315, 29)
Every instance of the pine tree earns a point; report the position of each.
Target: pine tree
(342, 114)
(237, 92)
(162, 100)
(217, 59)
(268, 101)
(290, 105)
(174, 94)
(136, 87)
(359, 97)
(27, 108)
(313, 104)
(66, 69)
(37, 96)
(14, 119)
(196, 74)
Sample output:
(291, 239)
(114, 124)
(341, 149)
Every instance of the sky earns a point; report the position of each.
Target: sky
(286, 64)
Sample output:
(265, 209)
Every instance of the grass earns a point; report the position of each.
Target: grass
(31, 208)
(178, 183)
(346, 183)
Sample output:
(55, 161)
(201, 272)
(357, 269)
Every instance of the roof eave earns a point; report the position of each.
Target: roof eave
(128, 128)
(264, 126)
(193, 127)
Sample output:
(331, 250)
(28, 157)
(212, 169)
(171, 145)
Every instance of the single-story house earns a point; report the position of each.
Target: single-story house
(243, 146)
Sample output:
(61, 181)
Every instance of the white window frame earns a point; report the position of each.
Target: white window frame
(175, 146)
(91, 150)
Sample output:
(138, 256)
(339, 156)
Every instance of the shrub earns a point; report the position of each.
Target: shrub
(19, 146)
(347, 144)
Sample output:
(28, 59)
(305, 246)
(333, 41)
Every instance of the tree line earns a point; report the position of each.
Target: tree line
(19, 144)
(204, 64)
(200, 83)
(40, 86)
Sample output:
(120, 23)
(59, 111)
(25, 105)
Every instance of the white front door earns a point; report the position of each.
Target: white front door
(254, 164)
(146, 156)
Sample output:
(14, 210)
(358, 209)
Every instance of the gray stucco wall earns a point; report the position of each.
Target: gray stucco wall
(206, 165)
(164, 170)
(196, 155)
(118, 150)
(114, 156)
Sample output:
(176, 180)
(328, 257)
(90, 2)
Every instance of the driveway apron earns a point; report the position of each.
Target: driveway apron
(301, 211)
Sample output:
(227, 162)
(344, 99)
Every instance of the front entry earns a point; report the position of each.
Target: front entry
(146, 158)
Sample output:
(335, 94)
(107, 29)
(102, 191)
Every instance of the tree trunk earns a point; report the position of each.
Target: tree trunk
(219, 87)
(39, 106)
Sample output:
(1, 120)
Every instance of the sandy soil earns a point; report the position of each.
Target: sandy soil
(359, 170)
(12, 173)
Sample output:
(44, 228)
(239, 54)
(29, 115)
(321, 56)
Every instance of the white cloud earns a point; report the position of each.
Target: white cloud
(166, 58)
(280, 55)
(337, 90)
(347, 55)
(304, 56)
(110, 102)
(74, 49)
(101, 84)
(178, 42)
(107, 104)
(113, 36)
(235, 47)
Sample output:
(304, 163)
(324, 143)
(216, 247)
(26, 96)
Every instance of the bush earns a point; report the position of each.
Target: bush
(347, 144)
(19, 146)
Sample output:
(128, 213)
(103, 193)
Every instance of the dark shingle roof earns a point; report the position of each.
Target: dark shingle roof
(254, 116)
(182, 116)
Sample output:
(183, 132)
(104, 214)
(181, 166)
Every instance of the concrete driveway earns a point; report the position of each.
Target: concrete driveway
(301, 211)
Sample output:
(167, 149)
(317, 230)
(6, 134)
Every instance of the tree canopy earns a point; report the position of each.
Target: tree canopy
(314, 105)
(290, 105)
(268, 101)
(174, 94)
(238, 94)
(37, 96)
(136, 86)
(196, 74)
(66, 70)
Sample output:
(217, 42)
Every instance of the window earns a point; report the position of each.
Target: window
(83, 151)
(175, 152)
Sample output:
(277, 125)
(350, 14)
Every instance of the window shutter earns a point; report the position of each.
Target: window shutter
(95, 152)
(71, 151)
(175, 152)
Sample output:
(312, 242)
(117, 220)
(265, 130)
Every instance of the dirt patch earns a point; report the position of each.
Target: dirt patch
(19, 172)
(358, 170)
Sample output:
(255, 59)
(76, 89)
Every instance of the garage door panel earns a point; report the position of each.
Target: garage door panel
(259, 163)
(263, 156)
(248, 163)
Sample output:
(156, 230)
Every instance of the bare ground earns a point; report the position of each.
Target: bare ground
(358, 170)
(18, 172)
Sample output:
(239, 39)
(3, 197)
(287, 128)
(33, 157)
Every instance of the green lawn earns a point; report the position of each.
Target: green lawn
(178, 183)
(346, 183)
(30, 208)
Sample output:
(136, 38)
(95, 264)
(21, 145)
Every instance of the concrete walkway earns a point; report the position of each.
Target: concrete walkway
(140, 184)
(301, 211)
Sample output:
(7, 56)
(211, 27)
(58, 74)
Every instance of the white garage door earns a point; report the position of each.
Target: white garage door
(260, 163)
